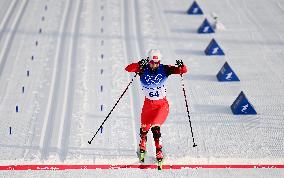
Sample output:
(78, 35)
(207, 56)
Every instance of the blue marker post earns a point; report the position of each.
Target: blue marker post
(28, 73)
(102, 88)
(32, 58)
(23, 89)
(17, 108)
(101, 129)
(10, 128)
(102, 107)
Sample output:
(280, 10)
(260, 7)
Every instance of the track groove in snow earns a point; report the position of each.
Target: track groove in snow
(9, 37)
(7, 17)
(134, 46)
(58, 115)
(48, 118)
(66, 116)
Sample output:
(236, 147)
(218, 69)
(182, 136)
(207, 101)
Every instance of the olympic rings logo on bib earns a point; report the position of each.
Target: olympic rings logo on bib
(153, 79)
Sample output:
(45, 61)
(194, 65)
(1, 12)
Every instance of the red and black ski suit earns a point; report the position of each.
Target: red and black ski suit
(156, 108)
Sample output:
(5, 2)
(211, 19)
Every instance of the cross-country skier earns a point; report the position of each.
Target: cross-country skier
(153, 76)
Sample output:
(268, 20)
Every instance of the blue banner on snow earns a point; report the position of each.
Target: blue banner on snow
(226, 74)
(214, 49)
(194, 9)
(241, 106)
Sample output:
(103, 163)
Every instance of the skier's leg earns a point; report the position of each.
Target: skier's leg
(143, 135)
(157, 135)
(143, 140)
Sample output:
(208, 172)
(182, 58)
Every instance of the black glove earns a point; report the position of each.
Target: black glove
(143, 62)
(179, 63)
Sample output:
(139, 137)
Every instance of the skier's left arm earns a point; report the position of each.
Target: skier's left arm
(180, 69)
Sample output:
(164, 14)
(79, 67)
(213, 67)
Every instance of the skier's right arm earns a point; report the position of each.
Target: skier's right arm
(133, 67)
(137, 67)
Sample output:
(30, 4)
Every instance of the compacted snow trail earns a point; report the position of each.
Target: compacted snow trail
(55, 133)
(97, 89)
(19, 43)
(133, 54)
(15, 12)
(6, 16)
(136, 51)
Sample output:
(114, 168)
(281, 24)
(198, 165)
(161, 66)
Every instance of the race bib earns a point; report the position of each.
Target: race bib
(155, 93)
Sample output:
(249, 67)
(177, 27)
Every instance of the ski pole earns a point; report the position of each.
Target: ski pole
(113, 108)
(183, 89)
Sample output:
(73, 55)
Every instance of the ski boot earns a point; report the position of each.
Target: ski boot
(142, 145)
(142, 153)
(159, 153)
(159, 157)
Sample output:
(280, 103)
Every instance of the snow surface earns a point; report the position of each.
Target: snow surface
(76, 66)
(192, 173)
